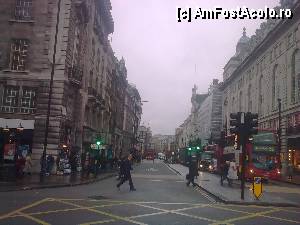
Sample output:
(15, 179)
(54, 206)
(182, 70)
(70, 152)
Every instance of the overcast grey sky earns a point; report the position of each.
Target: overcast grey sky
(161, 54)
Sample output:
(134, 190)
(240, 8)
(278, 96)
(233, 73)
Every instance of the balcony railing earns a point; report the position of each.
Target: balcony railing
(11, 109)
(96, 98)
(75, 75)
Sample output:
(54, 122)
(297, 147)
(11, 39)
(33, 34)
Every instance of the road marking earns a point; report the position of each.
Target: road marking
(177, 211)
(156, 180)
(282, 219)
(149, 214)
(98, 222)
(24, 208)
(105, 213)
(33, 218)
(68, 210)
(252, 215)
(180, 181)
(211, 199)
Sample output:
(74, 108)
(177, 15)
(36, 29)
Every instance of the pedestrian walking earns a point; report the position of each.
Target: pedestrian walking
(232, 173)
(224, 172)
(290, 171)
(193, 171)
(125, 169)
(28, 164)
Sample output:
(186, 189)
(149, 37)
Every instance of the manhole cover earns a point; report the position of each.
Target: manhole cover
(97, 197)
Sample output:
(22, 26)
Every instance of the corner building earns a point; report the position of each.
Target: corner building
(264, 71)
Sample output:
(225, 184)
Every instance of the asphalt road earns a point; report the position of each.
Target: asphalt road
(161, 198)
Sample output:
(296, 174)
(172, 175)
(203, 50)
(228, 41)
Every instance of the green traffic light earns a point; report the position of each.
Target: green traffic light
(198, 147)
(98, 142)
(190, 149)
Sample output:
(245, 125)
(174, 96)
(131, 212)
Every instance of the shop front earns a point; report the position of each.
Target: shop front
(293, 137)
(16, 137)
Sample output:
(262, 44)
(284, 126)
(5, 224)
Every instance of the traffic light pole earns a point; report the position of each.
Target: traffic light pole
(243, 146)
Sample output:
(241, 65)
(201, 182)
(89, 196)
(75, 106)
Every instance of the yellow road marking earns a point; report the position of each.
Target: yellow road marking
(149, 214)
(67, 210)
(33, 218)
(245, 217)
(105, 213)
(177, 211)
(24, 208)
(98, 222)
(279, 218)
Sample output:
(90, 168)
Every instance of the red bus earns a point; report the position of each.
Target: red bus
(262, 158)
(149, 154)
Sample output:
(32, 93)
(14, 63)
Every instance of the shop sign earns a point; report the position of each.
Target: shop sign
(9, 151)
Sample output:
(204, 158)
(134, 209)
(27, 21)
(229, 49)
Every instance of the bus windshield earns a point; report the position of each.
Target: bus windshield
(263, 162)
(206, 156)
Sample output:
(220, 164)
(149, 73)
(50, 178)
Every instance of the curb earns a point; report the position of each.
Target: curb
(25, 188)
(227, 202)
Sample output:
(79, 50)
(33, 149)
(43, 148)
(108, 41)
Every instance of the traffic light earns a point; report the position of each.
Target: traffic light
(235, 122)
(98, 141)
(251, 122)
(190, 149)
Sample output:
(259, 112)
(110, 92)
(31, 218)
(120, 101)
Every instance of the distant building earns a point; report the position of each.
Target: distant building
(205, 120)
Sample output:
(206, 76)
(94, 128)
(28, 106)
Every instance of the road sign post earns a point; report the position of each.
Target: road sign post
(257, 187)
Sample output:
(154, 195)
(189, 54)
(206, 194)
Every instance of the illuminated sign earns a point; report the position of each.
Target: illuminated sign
(258, 148)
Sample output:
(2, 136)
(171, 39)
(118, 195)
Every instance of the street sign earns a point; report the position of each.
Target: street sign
(257, 187)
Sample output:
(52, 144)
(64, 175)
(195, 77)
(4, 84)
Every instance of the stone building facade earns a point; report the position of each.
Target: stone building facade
(265, 68)
(132, 117)
(90, 85)
(205, 120)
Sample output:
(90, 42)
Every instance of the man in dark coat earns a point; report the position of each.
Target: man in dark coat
(125, 169)
(224, 172)
(193, 170)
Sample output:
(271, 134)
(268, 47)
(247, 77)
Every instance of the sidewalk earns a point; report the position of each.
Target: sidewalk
(30, 182)
(273, 194)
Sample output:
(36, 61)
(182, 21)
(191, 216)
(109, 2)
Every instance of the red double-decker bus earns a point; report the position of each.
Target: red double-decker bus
(262, 152)
(263, 156)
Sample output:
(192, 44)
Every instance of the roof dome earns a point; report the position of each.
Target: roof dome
(244, 39)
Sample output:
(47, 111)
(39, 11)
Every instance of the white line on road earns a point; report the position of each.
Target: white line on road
(156, 180)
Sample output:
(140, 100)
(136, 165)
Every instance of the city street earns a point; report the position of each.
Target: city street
(161, 198)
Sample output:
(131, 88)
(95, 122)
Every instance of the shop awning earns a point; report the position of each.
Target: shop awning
(14, 123)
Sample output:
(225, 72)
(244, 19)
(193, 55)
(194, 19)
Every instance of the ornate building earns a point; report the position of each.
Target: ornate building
(89, 87)
(265, 71)
(205, 120)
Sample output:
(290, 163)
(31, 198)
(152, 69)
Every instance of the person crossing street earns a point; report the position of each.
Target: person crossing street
(125, 173)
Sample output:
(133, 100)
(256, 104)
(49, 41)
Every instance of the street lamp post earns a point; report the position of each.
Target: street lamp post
(43, 164)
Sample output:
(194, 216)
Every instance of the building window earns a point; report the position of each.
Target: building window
(19, 48)
(274, 83)
(28, 100)
(23, 10)
(295, 77)
(10, 99)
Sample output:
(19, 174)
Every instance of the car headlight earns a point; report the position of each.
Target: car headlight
(201, 165)
(210, 167)
(278, 171)
(251, 171)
